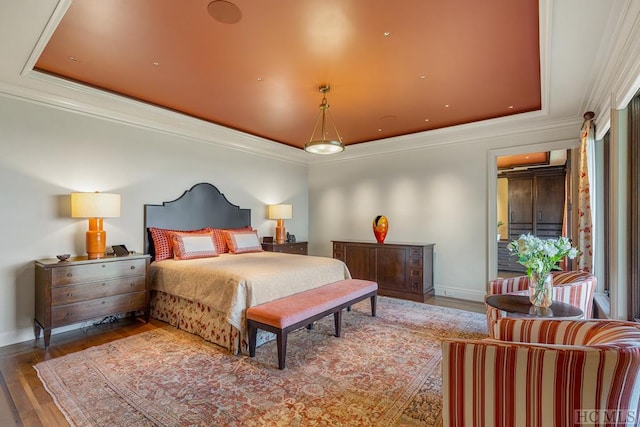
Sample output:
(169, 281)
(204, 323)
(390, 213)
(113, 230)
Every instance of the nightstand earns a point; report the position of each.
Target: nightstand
(287, 248)
(81, 289)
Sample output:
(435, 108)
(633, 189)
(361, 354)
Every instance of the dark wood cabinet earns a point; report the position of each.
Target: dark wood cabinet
(287, 247)
(403, 270)
(536, 206)
(507, 261)
(80, 289)
(536, 202)
(548, 204)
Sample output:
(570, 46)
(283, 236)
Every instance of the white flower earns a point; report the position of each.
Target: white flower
(541, 256)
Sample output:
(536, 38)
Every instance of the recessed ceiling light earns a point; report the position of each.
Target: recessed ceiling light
(423, 76)
(379, 130)
(156, 63)
(426, 120)
(259, 79)
(387, 33)
(224, 11)
(73, 58)
(446, 105)
(510, 107)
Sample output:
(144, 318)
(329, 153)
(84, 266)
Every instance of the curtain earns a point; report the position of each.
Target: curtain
(586, 199)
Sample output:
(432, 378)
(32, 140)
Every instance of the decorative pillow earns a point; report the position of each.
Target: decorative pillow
(192, 245)
(244, 241)
(162, 241)
(220, 237)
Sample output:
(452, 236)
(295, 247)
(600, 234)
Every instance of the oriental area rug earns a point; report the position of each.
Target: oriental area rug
(383, 371)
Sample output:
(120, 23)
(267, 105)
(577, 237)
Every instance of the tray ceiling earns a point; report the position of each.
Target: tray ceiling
(395, 68)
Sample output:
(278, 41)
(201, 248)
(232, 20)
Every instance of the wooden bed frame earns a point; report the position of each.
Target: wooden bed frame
(201, 206)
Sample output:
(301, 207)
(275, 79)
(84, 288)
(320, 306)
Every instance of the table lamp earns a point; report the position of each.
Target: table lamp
(280, 213)
(95, 206)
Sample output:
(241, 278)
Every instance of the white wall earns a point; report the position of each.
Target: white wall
(437, 194)
(46, 153)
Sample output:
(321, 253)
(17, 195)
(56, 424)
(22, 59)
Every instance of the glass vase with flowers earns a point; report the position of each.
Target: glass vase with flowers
(540, 257)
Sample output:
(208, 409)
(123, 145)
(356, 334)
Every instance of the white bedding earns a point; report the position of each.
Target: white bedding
(230, 283)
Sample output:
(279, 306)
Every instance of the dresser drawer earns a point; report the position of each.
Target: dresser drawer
(71, 274)
(415, 252)
(297, 249)
(71, 313)
(415, 262)
(61, 295)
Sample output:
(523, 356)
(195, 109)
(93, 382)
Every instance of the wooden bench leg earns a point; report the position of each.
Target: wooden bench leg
(281, 338)
(253, 335)
(373, 306)
(337, 320)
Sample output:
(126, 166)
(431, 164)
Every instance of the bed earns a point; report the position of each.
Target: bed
(208, 295)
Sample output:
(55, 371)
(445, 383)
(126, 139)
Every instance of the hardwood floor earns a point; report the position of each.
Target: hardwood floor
(25, 402)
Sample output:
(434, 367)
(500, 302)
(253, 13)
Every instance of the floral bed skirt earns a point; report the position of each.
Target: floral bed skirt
(202, 320)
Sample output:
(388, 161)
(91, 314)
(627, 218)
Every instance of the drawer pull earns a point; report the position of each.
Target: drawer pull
(104, 265)
(104, 284)
(131, 285)
(133, 267)
(67, 314)
(102, 302)
(70, 294)
(69, 274)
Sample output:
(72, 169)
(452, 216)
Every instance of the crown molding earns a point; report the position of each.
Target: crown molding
(534, 127)
(70, 96)
(618, 76)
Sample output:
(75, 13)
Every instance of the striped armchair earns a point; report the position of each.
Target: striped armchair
(544, 373)
(571, 287)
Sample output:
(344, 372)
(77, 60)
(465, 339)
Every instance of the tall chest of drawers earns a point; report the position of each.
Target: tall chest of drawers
(402, 270)
(80, 289)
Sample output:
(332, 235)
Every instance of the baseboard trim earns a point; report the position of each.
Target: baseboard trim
(460, 293)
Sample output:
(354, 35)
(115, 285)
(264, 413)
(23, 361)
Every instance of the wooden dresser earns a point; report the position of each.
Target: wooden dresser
(81, 289)
(403, 270)
(287, 247)
(507, 261)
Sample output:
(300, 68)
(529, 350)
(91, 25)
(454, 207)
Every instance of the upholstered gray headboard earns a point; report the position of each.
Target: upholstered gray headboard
(201, 206)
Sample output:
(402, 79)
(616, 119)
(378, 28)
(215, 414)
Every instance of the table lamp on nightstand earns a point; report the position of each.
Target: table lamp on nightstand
(280, 213)
(95, 206)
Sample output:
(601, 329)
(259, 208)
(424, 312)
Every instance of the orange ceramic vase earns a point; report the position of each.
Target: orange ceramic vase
(380, 228)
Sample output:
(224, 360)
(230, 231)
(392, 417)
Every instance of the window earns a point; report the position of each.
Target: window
(634, 208)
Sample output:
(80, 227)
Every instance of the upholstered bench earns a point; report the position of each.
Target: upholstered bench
(286, 314)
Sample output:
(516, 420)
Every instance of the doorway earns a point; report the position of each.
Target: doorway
(499, 215)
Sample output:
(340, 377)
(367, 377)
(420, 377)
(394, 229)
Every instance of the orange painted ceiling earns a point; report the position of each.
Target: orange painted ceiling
(394, 67)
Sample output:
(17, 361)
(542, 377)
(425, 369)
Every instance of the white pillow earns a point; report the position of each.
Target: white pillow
(244, 241)
(190, 246)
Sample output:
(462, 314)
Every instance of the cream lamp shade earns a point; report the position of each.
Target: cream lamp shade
(95, 206)
(280, 213)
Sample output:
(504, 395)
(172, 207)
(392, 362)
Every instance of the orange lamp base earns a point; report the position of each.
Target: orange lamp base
(280, 231)
(96, 239)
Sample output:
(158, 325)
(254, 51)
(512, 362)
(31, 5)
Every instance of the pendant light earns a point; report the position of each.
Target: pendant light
(322, 142)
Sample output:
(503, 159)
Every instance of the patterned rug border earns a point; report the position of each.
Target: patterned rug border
(424, 324)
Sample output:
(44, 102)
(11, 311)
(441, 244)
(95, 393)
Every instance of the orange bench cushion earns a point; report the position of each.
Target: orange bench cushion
(294, 308)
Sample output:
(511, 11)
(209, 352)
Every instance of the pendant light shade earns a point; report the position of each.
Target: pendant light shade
(325, 138)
